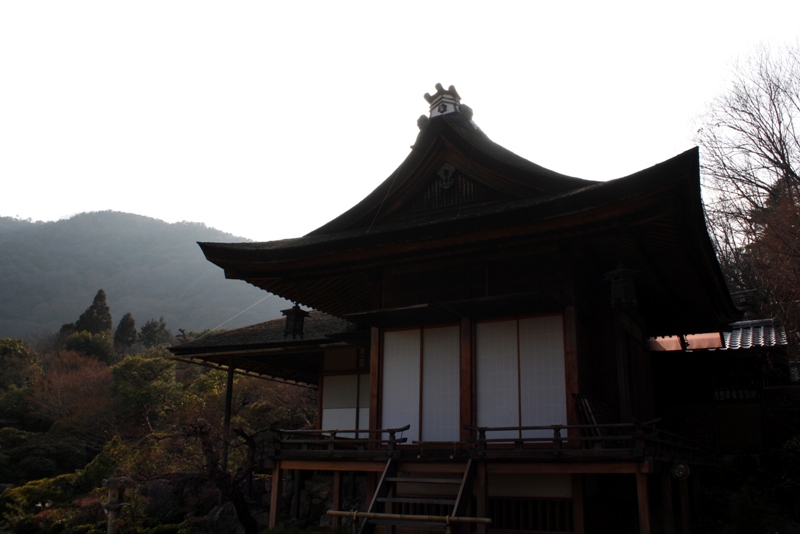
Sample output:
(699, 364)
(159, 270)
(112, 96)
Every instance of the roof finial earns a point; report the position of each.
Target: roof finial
(444, 101)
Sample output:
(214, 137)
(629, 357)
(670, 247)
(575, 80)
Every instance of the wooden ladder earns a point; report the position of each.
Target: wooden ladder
(385, 502)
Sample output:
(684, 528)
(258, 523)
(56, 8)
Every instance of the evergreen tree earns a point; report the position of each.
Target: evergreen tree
(97, 346)
(125, 335)
(155, 334)
(97, 317)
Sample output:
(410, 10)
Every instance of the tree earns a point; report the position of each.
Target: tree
(155, 334)
(125, 335)
(750, 139)
(17, 368)
(145, 389)
(73, 392)
(97, 346)
(15, 359)
(97, 317)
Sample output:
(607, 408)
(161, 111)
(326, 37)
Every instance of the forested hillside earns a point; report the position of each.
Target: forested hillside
(49, 271)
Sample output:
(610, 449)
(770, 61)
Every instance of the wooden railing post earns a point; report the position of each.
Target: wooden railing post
(556, 440)
(638, 440)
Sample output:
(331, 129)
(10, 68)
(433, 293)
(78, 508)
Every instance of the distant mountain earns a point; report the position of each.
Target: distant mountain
(50, 272)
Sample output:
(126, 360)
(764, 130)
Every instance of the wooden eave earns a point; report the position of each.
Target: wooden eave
(264, 350)
(652, 220)
(298, 363)
(654, 216)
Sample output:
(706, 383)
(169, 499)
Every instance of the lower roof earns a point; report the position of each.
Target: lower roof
(264, 350)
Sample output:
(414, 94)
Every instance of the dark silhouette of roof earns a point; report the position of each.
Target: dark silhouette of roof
(490, 197)
(263, 349)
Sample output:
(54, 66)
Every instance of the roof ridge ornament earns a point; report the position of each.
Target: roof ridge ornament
(444, 101)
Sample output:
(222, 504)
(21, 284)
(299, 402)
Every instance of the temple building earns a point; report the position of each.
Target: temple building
(491, 340)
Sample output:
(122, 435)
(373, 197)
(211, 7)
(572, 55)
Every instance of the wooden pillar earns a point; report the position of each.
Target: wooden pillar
(578, 524)
(369, 491)
(226, 428)
(481, 495)
(623, 378)
(666, 503)
(644, 502)
(467, 384)
(337, 497)
(686, 521)
(275, 497)
(294, 508)
(375, 378)
(571, 364)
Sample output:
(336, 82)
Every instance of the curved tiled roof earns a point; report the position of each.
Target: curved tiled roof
(757, 333)
(490, 200)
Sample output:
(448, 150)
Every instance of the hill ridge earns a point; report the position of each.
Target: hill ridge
(51, 270)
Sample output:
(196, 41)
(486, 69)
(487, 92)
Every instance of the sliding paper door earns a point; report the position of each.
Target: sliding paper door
(401, 381)
(421, 382)
(520, 374)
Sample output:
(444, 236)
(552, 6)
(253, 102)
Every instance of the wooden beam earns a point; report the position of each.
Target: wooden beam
(666, 503)
(481, 495)
(337, 498)
(424, 467)
(375, 374)
(571, 364)
(578, 524)
(333, 465)
(570, 468)
(294, 507)
(466, 384)
(644, 502)
(686, 521)
(623, 378)
(275, 497)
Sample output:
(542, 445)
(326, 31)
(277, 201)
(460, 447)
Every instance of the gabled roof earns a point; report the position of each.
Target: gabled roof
(459, 192)
(451, 148)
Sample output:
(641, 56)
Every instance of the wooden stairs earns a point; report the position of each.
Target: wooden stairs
(432, 501)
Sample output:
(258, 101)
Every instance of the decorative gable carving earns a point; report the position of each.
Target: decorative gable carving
(450, 188)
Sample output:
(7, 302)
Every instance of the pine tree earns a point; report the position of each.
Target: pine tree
(155, 334)
(97, 317)
(125, 335)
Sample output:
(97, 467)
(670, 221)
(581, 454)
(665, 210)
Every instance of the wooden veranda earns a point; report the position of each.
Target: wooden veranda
(642, 450)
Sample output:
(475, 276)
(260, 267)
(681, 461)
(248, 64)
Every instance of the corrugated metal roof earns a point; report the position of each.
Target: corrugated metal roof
(757, 333)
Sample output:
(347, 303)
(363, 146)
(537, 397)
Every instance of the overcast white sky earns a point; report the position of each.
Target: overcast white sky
(267, 119)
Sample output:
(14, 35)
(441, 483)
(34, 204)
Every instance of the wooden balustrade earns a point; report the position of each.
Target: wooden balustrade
(598, 441)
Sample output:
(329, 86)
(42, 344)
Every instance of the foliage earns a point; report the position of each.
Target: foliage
(15, 356)
(750, 164)
(144, 415)
(125, 335)
(97, 317)
(17, 505)
(31, 455)
(17, 363)
(73, 392)
(747, 494)
(145, 389)
(155, 334)
(97, 346)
